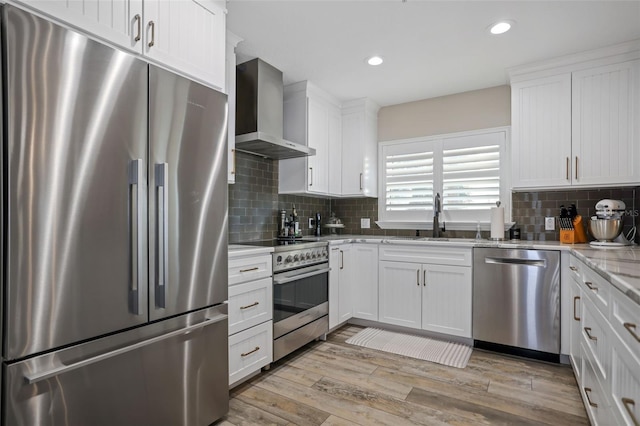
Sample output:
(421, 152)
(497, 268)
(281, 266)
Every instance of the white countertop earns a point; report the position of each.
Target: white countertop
(621, 266)
(240, 250)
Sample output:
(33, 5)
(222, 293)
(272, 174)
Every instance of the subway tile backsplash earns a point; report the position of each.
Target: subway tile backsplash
(254, 204)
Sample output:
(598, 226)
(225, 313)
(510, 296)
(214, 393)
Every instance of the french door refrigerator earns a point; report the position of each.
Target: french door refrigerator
(115, 236)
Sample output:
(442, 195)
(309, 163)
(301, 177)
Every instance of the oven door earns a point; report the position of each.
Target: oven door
(299, 297)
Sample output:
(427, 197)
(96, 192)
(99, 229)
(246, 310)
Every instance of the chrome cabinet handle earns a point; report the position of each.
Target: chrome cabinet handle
(311, 176)
(575, 299)
(136, 227)
(629, 405)
(138, 19)
(341, 259)
(360, 181)
(418, 277)
(588, 331)
(424, 278)
(250, 269)
(568, 168)
(250, 352)
(591, 286)
(152, 25)
(250, 306)
(573, 268)
(63, 368)
(576, 167)
(631, 329)
(587, 391)
(162, 233)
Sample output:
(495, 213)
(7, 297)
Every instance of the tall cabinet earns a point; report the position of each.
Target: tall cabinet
(575, 120)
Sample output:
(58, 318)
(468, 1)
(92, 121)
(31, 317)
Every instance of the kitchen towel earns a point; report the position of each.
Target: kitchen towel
(497, 223)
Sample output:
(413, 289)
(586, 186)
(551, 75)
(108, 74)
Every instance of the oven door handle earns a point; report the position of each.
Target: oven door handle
(277, 280)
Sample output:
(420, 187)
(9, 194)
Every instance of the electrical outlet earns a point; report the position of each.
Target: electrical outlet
(311, 222)
(365, 223)
(550, 223)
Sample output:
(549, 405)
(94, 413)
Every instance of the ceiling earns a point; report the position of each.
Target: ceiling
(430, 48)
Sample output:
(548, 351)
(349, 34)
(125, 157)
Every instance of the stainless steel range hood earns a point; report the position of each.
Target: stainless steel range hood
(259, 113)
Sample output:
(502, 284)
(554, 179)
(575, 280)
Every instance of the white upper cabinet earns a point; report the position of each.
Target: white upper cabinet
(575, 120)
(360, 148)
(606, 125)
(186, 35)
(541, 132)
(309, 119)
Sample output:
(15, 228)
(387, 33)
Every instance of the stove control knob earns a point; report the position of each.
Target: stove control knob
(288, 259)
(296, 258)
(313, 255)
(279, 259)
(308, 256)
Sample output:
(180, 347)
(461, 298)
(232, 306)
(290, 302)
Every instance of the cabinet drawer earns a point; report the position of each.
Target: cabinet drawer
(249, 268)
(434, 255)
(593, 395)
(625, 320)
(625, 385)
(250, 350)
(250, 304)
(596, 338)
(593, 285)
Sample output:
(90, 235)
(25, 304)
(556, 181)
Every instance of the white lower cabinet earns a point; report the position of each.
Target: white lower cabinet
(249, 351)
(605, 348)
(425, 296)
(364, 260)
(446, 300)
(340, 285)
(250, 315)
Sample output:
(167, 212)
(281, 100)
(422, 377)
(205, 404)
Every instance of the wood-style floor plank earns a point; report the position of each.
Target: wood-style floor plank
(333, 383)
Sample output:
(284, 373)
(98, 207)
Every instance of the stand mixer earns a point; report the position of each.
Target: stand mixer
(606, 225)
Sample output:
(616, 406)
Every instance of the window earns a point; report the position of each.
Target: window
(466, 169)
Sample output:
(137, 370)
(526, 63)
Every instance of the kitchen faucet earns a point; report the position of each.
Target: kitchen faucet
(437, 208)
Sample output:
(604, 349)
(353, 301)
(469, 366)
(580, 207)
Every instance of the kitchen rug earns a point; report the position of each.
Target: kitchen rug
(447, 353)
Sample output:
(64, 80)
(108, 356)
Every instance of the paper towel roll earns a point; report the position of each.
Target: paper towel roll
(497, 223)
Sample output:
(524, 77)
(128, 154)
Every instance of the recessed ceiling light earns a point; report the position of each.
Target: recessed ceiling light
(500, 27)
(374, 60)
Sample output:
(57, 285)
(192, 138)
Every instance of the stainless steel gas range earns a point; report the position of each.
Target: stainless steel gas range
(300, 293)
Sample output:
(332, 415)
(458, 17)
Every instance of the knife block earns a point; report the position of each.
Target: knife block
(576, 235)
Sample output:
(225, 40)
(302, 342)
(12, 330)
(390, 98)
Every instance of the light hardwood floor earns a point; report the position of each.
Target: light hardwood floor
(333, 383)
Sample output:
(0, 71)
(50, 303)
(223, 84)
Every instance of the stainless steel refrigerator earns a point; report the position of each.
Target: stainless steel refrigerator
(115, 236)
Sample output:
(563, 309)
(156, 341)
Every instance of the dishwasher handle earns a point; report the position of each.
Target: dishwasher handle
(510, 261)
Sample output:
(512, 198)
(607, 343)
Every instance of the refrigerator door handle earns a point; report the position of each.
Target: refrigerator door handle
(162, 232)
(61, 369)
(136, 235)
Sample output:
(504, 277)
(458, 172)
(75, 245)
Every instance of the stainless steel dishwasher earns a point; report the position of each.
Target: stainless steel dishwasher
(516, 301)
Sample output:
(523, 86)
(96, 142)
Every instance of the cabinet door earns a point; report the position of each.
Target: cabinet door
(541, 132)
(446, 299)
(334, 286)
(189, 36)
(352, 137)
(116, 21)
(625, 384)
(334, 147)
(605, 125)
(575, 330)
(365, 281)
(399, 293)
(345, 291)
(318, 137)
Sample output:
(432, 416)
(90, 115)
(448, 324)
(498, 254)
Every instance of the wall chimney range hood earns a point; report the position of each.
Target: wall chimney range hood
(259, 113)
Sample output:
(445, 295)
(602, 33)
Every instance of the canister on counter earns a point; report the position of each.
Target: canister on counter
(514, 234)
